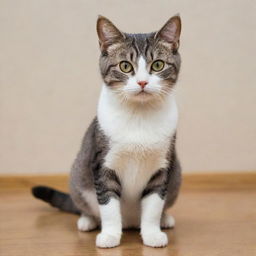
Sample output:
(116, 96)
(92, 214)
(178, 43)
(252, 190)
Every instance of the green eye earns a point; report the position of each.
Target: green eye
(157, 65)
(125, 66)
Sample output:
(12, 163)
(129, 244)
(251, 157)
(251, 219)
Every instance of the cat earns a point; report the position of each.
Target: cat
(127, 173)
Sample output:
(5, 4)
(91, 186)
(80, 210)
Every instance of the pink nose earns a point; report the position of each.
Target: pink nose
(142, 84)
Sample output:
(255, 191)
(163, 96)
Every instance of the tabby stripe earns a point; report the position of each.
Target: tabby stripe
(109, 67)
(135, 47)
(146, 48)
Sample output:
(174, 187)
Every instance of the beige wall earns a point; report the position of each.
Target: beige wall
(49, 81)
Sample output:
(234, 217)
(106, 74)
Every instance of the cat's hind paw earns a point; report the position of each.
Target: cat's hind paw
(155, 239)
(167, 221)
(86, 223)
(104, 240)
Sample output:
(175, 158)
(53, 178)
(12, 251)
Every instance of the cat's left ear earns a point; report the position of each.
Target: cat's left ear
(170, 32)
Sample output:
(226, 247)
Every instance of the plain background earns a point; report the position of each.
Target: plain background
(49, 80)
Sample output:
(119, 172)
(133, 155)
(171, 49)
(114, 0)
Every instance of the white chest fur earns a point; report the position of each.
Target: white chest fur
(139, 141)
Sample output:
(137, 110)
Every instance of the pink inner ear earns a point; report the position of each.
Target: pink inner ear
(169, 32)
(107, 32)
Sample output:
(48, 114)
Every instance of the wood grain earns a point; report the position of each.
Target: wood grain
(218, 219)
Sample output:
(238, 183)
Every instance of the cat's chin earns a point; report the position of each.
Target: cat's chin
(142, 97)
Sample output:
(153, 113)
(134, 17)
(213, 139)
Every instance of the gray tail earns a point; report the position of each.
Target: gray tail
(55, 198)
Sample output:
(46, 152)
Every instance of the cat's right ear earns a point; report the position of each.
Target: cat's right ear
(108, 33)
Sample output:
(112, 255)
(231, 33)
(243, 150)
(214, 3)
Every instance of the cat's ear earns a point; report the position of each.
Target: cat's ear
(170, 32)
(108, 33)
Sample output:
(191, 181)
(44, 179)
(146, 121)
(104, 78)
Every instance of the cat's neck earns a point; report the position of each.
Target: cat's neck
(134, 125)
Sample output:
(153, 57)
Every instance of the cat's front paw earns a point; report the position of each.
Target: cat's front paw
(104, 240)
(155, 239)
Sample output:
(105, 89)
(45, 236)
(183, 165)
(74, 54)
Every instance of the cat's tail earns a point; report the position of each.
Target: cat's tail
(55, 198)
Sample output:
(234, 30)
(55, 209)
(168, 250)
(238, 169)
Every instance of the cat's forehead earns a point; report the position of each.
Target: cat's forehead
(136, 45)
(140, 42)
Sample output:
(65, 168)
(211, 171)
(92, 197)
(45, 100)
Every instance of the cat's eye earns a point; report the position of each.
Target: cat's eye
(157, 65)
(126, 66)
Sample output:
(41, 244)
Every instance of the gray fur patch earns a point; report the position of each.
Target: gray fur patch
(166, 182)
(88, 172)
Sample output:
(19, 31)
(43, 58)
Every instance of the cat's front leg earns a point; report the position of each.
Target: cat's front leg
(108, 189)
(152, 205)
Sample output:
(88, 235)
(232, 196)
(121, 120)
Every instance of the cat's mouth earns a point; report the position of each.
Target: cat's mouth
(141, 96)
(142, 92)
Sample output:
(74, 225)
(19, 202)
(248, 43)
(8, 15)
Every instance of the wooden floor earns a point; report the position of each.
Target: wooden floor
(210, 221)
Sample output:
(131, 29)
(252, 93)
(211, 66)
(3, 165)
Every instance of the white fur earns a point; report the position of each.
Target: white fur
(142, 73)
(111, 224)
(86, 223)
(167, 221)
(152, 207)
(139, 141)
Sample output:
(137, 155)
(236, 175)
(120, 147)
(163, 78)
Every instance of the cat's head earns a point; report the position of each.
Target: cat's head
(139, 67)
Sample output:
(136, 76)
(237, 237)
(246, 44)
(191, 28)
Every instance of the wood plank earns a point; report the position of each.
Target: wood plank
(220, 181)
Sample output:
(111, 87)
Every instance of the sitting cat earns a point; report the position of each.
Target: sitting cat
(127, 174)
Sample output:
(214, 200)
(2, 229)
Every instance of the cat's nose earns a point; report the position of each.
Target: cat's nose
(142, 84)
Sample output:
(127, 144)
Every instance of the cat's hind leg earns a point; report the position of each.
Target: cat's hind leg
(86, 223)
